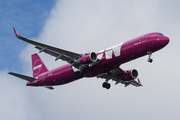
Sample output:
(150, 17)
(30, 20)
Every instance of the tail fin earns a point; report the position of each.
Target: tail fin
(38, 66)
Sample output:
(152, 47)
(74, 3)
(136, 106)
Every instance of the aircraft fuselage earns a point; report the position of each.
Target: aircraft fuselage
(111, 58)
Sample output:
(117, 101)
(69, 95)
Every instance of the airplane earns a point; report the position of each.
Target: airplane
(104, 64)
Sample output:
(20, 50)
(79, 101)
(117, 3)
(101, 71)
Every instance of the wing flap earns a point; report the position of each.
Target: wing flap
(53, 49)
(56, 52)
(112, 74)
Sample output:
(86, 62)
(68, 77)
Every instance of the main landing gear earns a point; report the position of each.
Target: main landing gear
(78, 74)
(149, 59)
(106, 85)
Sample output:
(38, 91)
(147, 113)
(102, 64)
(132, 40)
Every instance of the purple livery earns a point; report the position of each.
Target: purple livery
(103, 64)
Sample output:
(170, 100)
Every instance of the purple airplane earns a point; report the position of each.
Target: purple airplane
(103, 64)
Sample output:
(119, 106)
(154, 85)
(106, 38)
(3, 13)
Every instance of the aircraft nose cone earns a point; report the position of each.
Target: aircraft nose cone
(165, 40)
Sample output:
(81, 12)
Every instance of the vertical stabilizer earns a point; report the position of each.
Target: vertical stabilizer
(38, 66)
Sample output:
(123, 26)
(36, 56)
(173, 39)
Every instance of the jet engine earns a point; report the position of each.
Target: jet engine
(88, 58)
(129, 75)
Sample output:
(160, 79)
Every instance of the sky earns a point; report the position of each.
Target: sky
(89, 26)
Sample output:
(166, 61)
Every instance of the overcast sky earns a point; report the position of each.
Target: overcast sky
(89, 26)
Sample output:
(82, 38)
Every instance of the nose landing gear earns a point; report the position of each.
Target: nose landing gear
(149, 59)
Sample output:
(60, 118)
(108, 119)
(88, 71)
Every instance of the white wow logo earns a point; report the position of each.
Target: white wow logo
(37, 67)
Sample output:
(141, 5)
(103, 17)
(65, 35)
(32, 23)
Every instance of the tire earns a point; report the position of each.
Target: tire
(104, 84)
(108, 86)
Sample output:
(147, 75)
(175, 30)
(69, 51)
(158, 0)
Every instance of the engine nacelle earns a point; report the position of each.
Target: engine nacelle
(88, 58)
(129, 75)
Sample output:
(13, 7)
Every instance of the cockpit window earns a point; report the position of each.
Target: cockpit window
(158, 34)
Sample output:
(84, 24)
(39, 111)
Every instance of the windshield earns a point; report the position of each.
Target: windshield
(158, 34)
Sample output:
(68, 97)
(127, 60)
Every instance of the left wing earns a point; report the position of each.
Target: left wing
(116, 74)
(64, 55)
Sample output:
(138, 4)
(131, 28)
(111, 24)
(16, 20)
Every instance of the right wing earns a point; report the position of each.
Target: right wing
(64, 55)
(115, 75)
(136, 83)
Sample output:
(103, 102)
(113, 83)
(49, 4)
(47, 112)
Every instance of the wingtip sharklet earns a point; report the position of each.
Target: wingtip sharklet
(139, 81)
(16, 34)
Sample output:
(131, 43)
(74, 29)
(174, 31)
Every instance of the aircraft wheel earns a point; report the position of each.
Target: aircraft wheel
(106, 85)
(150, 60)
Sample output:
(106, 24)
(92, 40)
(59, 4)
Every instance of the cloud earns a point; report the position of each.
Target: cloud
(12, 98)
(83, 26)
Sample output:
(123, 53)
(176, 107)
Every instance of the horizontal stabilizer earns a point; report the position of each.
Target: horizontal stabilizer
(49, 87)
(27, 78)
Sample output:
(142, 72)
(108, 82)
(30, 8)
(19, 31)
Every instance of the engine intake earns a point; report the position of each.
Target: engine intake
(129, 75)
(88, 58)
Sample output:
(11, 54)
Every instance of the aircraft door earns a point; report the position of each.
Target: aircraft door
(43, 77)
(144, 38)
(117, 50)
